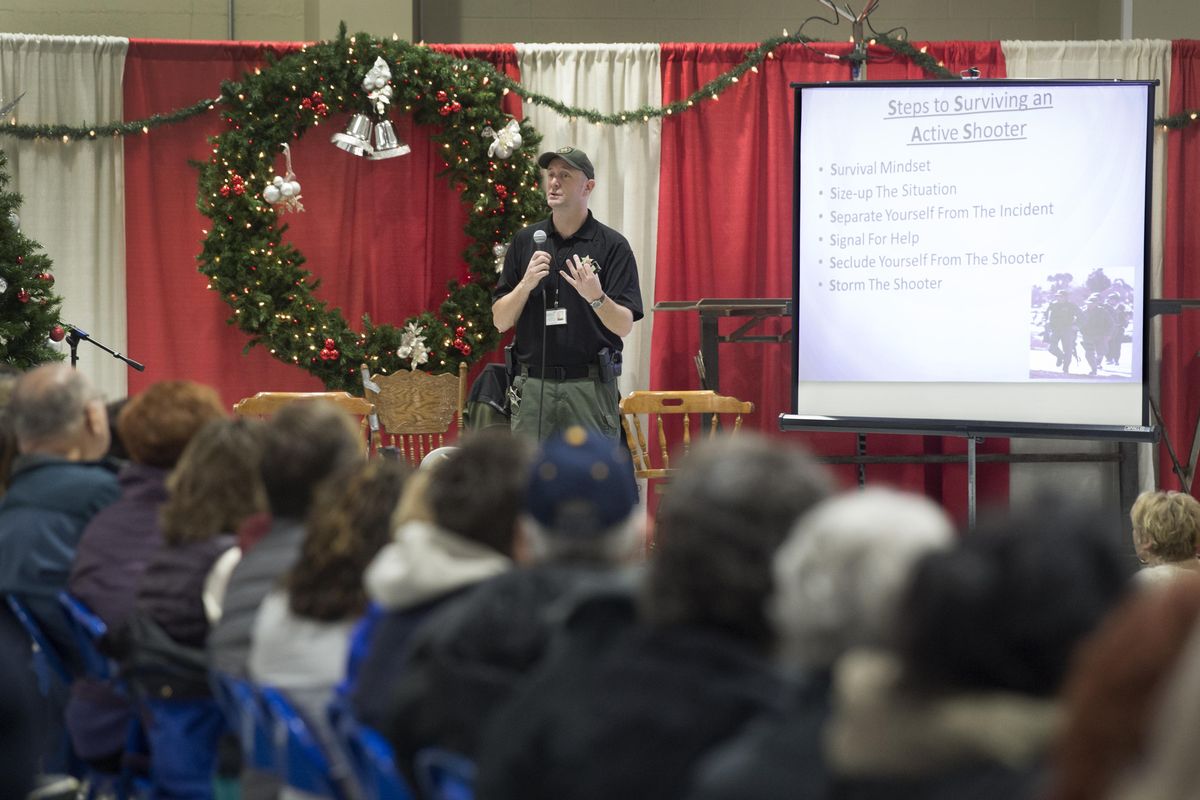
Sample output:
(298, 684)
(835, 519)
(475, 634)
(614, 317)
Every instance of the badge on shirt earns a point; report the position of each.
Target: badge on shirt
(556, 316)
(590, 263)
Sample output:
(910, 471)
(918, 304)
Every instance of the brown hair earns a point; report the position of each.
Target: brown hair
(306, 443)
(157, 424)
(1114, 686)
(216, 484)
(351, 521)
(1168, 523)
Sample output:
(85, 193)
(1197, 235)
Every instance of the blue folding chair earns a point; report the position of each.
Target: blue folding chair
(300, 760)
(239, 699)
(87, 629)
(369, 755)
(48, 665)
(443, 775)
(182, 734)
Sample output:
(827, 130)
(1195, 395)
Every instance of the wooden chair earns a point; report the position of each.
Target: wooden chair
(265, 404)
(656, 406)
(416, 409)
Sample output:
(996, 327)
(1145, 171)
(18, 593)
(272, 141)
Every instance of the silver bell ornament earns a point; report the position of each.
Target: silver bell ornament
(356, 139)
(387, 144)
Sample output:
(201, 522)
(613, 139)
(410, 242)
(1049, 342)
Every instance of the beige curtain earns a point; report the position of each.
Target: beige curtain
(74, 193)
(609, 78)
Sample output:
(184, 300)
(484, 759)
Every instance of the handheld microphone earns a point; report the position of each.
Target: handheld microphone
(539, 241)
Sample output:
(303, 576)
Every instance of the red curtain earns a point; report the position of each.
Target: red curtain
(1180, 377)
(383, 237)
(725, 231)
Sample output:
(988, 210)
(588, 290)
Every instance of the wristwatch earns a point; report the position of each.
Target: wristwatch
(599, 301)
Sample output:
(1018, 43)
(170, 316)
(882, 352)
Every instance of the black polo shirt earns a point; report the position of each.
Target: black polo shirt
(577, 342)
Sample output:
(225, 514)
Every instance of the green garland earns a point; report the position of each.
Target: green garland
(259, 274)
(92, 132)
(710, 91)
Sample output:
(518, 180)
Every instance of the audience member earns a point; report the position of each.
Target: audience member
(120, 540)
(474, 496)
(1167, 767)
(985, 636)
(839, 579)
(302, 632)
(56, 487)
(627, 711)
(305, 443)
(1166, 532)
(1114, 686)
(579, 524)
(216, 485)
(19, 733)
(118, 453)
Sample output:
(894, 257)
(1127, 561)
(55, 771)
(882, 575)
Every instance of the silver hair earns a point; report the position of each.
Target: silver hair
(44, 409)
(843, 569)
(614, 545)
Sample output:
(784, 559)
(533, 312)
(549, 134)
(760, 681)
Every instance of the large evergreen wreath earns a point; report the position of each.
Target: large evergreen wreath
(260, 275)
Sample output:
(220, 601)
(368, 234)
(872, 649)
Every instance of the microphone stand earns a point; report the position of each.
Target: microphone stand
(74, 335)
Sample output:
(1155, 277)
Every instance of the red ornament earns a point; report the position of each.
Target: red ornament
(239, 190)
(323, 109)
(20, 260)
(45, 276)
(225, 190)
(460, 331)
(330, 344)
(57, 334)
(306, 103)
(22, 296)
(465, 349)
(444, 110)
(456, 106)
(442, 97)
(501, 190)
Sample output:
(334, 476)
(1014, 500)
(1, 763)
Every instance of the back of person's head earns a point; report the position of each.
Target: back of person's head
(1005, 609)
(1115, 686)
(841, 574)
(117, 451)
(156, 424)
(305, 444)
(1166, 526)
(349, 523)
(476, 492)
(580, 501)
(55, 410)
(217, 482)
(721, 519)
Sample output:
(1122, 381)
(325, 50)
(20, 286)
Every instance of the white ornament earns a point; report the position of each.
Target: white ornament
(380, 82)
(412, 345)
(506, 141)
(368, 82)
(295, 188)
(272, 194)
(278, 180)
(14, 219)
(3, 286)
(288, 189)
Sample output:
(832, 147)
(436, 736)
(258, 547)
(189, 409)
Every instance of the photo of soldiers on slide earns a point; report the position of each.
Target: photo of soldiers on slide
(1097, 327)
(1061, 321)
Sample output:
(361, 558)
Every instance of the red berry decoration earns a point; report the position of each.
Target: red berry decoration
(22, 296)
(20, 260)
(444, 110)
(456, 106)
(323, 109)
(442, 97)
(57, 334)
(225, 190)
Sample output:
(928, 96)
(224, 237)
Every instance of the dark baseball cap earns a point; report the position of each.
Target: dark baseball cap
(581, 484)
(573, 156)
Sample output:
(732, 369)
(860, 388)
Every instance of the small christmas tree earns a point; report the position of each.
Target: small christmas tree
(29, 307)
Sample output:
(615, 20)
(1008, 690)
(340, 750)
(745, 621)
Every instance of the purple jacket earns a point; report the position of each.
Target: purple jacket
(118, 544)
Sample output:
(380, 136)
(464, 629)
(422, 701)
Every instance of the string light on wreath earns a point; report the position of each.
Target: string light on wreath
(284, 190)
(504, 143)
